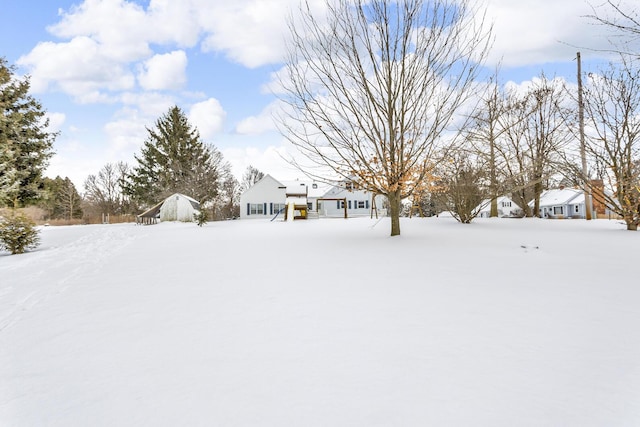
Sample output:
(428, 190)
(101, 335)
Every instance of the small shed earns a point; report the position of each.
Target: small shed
(179, 207)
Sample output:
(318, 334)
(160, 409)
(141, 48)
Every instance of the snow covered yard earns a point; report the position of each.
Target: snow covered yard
(323, 323)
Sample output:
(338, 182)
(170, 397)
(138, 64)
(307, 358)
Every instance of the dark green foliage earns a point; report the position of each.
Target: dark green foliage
(173, 159)
(17, 234)
(201, 218)
(61, 199)
(25, 144)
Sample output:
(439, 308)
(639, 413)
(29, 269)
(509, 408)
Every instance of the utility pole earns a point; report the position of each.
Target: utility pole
(585, 177)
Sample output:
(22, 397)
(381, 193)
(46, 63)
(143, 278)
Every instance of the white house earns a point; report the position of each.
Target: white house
(506, 208)
(269, 196)
(561, 203)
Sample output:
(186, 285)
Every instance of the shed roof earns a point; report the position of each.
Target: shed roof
(152, 212)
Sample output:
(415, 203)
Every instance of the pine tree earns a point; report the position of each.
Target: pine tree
(61, 199)
(173, 159)
(25, 143)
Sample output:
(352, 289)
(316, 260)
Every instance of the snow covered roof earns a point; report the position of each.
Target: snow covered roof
(558, 197)
(310, 189)
(295, 187)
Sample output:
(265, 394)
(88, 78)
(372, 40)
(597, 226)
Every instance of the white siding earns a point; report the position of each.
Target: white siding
(265, 192)
(358, 203)
(177, 208)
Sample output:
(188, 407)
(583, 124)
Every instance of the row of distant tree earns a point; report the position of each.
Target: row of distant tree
(392, 97)
(173, 158)
(392, 94)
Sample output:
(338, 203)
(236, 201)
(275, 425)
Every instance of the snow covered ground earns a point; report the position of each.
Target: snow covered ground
(323, 323)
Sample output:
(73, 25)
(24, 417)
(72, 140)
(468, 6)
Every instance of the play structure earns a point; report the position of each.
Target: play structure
(295, 211)
(296, 206)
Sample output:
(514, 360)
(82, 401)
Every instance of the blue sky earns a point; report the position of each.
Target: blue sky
(105, 69)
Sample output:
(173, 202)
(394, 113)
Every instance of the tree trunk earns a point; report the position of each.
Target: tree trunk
(394, 208)
(493, 213)
(632, 225)
(537, 189)
(493, 184)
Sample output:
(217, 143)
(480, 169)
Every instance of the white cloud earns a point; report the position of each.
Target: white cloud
(208, 116)
(531, 32)
(119, 26)
(127, 133)
(78, 67)
(248, 32)
(56, 120)
(149, 105)
(269, 160)
(263, 122)
(164, 71)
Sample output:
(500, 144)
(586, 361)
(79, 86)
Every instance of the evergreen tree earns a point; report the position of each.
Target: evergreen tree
(18, 234)
(173, 159)
(61, 199)
(25, 144)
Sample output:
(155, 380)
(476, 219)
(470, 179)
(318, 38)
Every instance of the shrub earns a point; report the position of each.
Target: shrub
(201, 218)
(18, 233)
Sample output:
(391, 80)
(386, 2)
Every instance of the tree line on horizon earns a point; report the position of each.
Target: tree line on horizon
(387, 95)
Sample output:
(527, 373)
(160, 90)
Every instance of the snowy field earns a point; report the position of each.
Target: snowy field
(324, 323)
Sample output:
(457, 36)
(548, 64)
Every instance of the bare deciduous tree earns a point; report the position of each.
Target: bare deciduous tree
(250, 177)
(535, 133)
(70, 200)
(484, 133)
(624, 21)
(104, 190)
(464, 185)
(612, 106)
(373, 88)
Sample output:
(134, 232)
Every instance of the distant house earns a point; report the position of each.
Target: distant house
(176, 207)
(561, 203)
(507, 208)
(269, 196)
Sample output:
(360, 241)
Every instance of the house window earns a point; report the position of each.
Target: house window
(361, 205)
(349, 204)
(557, 210)
(577, 209)
(506, 204)
(277, 207)
(256, 209)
